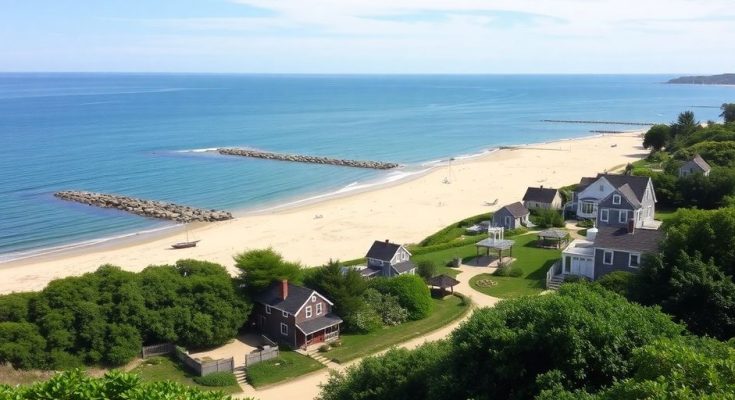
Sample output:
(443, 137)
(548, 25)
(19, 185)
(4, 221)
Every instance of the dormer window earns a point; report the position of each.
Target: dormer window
(313, 299)
(285, 314)
(616, 199)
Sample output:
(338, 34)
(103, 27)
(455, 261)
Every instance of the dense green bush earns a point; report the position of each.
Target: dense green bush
(583, 338)
(509, 270)
(426, 269)
(387, 306)
(345, 290)
(617, 282)
(547, 218)
(412, 293)
(77, 385)
(454, 231)
(104, 317)
(217, 379)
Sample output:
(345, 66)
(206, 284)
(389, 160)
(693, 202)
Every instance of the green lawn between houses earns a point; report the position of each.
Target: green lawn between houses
(359, 345)
(165, 368)
(534, 262)
(286, 366)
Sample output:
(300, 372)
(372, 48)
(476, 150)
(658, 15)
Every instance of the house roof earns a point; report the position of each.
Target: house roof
(554, 233)
(699, 162)
(403, 267)
(297, 296)
(642, 240)
(310, 326)
(383, 250)
(443, 281)
(540, 194)
(516, 209)
(369, 271)
(626, 193)
(637, 184)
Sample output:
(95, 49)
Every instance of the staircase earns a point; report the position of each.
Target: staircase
(240, 374)
(318, 356)
(555, 282)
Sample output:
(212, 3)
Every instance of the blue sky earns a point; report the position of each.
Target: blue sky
(369, 36)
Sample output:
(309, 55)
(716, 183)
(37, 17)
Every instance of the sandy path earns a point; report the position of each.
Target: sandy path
(404, 212)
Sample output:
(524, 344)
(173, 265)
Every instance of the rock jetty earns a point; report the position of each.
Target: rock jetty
(146, 208)
(307, 159)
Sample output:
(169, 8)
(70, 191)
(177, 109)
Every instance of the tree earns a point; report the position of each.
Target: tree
(260, 268)
(728, 112)
(21, 345)
(685, 125)
(387, 306)
(657, 137)
(426, 269)
(412, 293)
(583, 338)
(344, 288)
(617, 282)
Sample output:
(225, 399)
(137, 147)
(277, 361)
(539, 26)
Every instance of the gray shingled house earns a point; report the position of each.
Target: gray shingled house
(295, 315)
(623, 197)
(541, 197)
(696, 165)
(511, 216)
(388, 259)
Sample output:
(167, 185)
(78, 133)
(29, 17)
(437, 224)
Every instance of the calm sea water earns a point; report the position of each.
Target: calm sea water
(134, 135)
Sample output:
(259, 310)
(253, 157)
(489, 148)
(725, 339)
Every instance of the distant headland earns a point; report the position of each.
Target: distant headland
(722, 79)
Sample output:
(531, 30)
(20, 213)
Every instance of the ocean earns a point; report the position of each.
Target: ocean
(144, 135)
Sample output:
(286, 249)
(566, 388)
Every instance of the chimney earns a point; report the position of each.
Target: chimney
(631, 226)
(542, 186)
(284, 289)
(387, 241)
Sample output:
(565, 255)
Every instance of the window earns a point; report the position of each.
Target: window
(313, 299)
(588, 207)
(507, 222)
(607, 257)
(284, 329)
(602, 188)
(616, 199)
(604, 215)
(308, 311)
(319, 309)
(285, 314)
(267, 309)
(623, 216)
(635, 260)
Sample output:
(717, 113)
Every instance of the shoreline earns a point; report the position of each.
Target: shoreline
(168, 232)
(292, 229)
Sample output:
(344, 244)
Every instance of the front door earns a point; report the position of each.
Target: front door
(318, 337)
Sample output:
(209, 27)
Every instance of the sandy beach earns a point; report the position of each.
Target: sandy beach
(403, 212)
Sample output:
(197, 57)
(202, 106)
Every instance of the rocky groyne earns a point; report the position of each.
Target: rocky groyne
(146, 208)
(307, 159)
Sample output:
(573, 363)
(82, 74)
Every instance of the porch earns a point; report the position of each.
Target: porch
(318, 331)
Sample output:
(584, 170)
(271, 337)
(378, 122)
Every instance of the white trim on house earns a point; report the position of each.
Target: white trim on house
(267, 309)
(630, 260)
(284, 329)
(622, 216)
(616, 199)
(508, 219)
(605, 215)
(604, 256)
(308, 312)
(319, 309)
(313, 293)
(284, 313)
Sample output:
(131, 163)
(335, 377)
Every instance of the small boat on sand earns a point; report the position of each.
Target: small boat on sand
(184, 245)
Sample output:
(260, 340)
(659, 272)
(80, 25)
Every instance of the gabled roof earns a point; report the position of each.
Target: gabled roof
(641, 241)
(516, 209)
(443, 281)
(626, 193)
(403, 267)
(297, 297)
(699, 162)
(383, 250)
(540, 194)
(637, 184)
(316, 324)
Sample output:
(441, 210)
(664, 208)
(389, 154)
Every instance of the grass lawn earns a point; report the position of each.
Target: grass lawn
(169, 369)
(360, 345)
(287, 365)
(532, 260)
(664, 215)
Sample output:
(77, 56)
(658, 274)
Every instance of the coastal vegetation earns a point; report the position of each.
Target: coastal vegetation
(75, 384)
(721, 79)
(163, 368)
(583, 342)
(104, 317)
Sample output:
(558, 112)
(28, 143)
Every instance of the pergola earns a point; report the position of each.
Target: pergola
(553, 238)
(495, 244)
(443, 282)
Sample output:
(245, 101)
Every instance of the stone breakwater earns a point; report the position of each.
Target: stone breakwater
(146, 208)
(307, 159)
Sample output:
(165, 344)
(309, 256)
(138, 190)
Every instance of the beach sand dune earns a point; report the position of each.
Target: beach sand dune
(344, 227)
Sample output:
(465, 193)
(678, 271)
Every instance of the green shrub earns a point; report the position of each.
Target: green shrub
(618, 282)
(426, 269)
(412, 293)
(217, 379)
(585, 223)
(509, 270)
(547, 218)
(324, 348)
(515, 232)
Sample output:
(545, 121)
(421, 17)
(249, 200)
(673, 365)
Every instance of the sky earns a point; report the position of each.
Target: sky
(368, 36)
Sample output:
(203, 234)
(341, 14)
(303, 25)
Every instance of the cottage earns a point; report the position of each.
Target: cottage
(511, 216)
(616, 198)
(295, 315)
(696, 165)
(542, 198)
(387, 259)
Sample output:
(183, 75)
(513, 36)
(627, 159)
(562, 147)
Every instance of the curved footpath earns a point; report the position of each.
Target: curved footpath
(307, 387)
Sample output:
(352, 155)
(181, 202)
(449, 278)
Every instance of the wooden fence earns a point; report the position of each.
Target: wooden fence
(263, 355)
(202, 368)
(157, 350)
